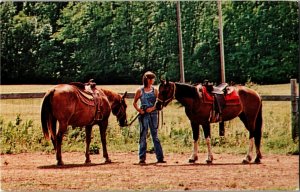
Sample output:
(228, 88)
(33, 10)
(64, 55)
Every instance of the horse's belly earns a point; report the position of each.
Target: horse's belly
(231, 112)
(83, 117)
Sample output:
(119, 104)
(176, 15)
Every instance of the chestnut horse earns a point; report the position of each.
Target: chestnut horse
(248, 109)
(64, 104)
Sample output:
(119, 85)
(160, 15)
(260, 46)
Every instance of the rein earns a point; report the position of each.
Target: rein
(166, 101)
(121, 109)
(138, 114)
(163, 101)
(171, 98)
(133, 120)
(162, 120)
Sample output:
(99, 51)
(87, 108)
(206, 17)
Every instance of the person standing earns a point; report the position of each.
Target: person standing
(148, 117)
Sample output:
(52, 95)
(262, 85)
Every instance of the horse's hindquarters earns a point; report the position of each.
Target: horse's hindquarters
(69, 110)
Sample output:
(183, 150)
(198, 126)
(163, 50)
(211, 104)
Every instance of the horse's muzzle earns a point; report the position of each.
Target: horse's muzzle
(158, 105)
(123, 124)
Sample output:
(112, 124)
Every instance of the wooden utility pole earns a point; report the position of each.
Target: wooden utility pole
(221, 42)
(180, 51)
(294, 107)
(222, 68)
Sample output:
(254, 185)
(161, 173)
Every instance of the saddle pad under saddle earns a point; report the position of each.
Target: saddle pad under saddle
(232, 98)
(85, 97)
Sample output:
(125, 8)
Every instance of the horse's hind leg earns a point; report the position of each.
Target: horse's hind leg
(103, 126)
(251, 128)
(257, 135)
(88, 132)
(59, 138)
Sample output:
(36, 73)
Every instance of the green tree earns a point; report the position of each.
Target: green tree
(18, 46)
(261, 41)
(116, 42)
(201, 41)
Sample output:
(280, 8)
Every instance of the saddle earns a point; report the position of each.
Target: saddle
(90, 95)
(219, 96)
(220, 89)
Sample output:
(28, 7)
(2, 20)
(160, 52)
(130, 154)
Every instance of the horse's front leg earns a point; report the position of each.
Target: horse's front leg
(103, 126)
(194, 156)
(88, 132)
(206, 129)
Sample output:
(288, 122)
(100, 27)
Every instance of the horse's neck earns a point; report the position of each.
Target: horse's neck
(112, 97)
(185, 93)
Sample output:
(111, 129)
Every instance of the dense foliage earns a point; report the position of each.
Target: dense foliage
(115, 42)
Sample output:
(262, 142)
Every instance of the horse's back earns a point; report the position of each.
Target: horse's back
(68, 106)
(63, 95)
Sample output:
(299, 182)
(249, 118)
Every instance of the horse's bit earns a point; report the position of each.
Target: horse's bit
(121, 109)
(169, 99)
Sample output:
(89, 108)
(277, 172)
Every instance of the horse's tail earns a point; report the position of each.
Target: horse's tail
(47, 118)
(258, 128)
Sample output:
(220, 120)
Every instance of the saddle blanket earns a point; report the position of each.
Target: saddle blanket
(230, 99)
(85, 97)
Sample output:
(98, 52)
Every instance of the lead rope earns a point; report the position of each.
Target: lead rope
(162, 119)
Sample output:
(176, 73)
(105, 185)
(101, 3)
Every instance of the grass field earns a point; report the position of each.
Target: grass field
(21, 129)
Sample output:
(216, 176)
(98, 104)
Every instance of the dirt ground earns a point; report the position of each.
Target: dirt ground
(37, 171)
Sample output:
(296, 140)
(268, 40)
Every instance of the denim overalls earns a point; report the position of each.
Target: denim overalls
(149, 120)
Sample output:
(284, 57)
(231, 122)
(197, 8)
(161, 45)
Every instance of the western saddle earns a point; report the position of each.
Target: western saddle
(90, 92)
(218, 93)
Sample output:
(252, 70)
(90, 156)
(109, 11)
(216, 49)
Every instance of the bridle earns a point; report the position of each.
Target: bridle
(163, 104)
(169, 99)
(121, 109)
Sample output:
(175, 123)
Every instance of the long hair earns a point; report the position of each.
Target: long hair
(146, 76)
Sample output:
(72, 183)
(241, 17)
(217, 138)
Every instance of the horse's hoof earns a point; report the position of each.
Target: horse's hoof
(257, 160)
(209, 159)
(107, 161)
(60, 163)
(247, 159)
(192, 160)
(87, 162)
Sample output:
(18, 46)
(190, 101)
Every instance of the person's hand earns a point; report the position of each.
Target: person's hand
(150, 109)
(141, 111)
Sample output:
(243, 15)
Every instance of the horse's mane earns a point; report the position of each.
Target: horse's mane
(186, 90)
(110, 94)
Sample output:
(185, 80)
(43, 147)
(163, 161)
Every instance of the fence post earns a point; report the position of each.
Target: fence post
(294, 107)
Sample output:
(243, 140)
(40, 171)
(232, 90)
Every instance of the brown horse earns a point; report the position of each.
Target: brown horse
(248, 109)
(67, 105)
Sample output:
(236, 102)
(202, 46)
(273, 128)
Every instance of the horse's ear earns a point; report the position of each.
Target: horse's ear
(124, 96)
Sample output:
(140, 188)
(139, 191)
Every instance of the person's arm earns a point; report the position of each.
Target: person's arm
(135, 100)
